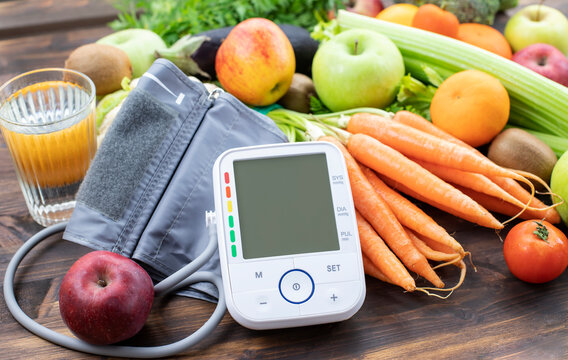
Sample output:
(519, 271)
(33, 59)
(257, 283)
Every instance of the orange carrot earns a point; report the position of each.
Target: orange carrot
(512, 187)
(433, 250)
(377, 212)
(423, 146)
(479, 183)
(515, 189)
(430, 253)
(505, 208)
(436, 246)
(393, 164)
(372, 270)
(410, 215)
(381, 256)
(419, 123)
(486, 220)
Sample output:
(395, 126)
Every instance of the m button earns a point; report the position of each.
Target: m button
(257, 275)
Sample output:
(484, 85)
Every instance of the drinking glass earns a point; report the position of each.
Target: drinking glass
(47, 118)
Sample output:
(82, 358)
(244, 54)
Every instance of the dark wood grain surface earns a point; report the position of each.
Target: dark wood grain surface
(492, 316)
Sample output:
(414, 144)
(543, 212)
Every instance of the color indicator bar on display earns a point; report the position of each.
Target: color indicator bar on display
(230, 219)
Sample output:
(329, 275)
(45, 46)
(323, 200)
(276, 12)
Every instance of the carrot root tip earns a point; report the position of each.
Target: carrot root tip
(427, 290)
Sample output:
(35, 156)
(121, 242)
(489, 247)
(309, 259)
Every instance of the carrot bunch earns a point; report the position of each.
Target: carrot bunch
(381, 213)
(387, 156)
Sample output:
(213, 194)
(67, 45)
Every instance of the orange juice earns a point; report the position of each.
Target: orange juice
(53, 159)
(49, 128)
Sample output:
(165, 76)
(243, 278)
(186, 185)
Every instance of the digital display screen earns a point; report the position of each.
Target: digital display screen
(285, 206)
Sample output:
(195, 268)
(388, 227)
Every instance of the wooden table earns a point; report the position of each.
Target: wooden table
(492, 315)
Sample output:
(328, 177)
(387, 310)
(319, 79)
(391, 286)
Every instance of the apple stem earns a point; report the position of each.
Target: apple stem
(101, 283)
(355, 47)
(538, 10)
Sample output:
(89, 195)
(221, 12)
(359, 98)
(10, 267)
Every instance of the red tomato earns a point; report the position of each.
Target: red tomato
(533, 259)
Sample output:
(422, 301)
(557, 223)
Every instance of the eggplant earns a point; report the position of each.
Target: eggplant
(195, 54)
(304, 47)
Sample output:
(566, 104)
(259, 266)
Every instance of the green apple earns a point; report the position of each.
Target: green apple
(357, 68)
(140, 46)
(559, 185)
(537, 24)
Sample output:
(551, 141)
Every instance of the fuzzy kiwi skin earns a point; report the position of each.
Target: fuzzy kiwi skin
(106, 65)
(297, 97)
(517, 149)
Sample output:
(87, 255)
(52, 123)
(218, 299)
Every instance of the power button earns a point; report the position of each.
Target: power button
(296, 286)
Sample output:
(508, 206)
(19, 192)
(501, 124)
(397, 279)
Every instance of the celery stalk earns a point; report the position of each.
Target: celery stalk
(537, 103)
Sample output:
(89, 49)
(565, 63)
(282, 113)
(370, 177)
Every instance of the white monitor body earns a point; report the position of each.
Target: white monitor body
(287, 232)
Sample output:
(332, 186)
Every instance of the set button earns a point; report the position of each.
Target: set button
(330, 268)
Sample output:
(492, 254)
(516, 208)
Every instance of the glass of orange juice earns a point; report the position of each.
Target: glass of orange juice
(47, 118)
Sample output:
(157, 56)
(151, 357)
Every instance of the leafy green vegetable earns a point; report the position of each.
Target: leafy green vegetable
(325, 30)
(172, 19)
(414, 96)
(317, 107)
(478, 11)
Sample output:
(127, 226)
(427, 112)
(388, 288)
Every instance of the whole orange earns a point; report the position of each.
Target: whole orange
(471, 105)
(435, 19)
(256, 62)
(399, 13)
(485, 37)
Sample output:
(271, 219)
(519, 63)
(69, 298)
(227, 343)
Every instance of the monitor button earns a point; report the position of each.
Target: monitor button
(329, 298)
(258, 275)
(296, 286)
(330, 268)
(264, 305)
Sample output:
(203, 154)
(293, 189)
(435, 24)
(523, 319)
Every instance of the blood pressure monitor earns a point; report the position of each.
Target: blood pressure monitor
(287, 233)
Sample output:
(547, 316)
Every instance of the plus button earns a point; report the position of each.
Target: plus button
(333, 297)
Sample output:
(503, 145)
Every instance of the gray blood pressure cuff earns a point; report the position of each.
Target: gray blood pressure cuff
(150, 183)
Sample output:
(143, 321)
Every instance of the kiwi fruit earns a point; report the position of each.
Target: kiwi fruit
(106, 65)
(297, 97)
(517, 149)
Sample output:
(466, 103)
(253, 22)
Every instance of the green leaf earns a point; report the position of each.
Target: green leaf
(324, 31)
(541, 231)
(172, 19)
(414, 96)
(317, 107)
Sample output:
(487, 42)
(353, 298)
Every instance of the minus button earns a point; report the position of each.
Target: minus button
(263, 303)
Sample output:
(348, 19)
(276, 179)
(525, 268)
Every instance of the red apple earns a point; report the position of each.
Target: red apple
(546, 60)
(256, 62)
(105, 297)
(367, 7)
